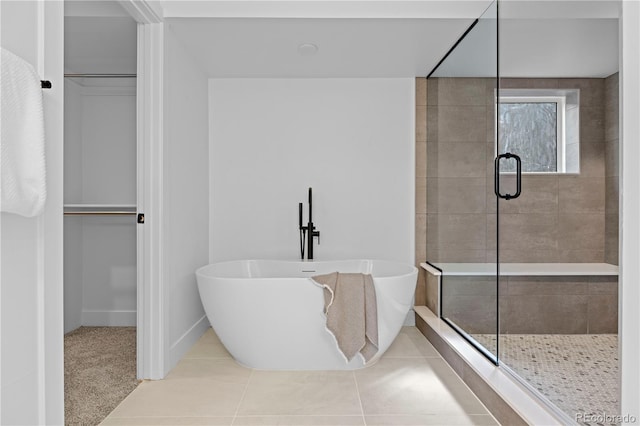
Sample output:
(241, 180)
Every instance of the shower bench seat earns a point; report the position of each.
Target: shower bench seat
(535, 298)
(521, 269)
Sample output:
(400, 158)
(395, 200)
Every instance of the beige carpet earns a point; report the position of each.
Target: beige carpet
(99, 372)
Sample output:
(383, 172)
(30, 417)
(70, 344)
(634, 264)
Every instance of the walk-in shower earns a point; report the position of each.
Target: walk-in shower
(522, 201)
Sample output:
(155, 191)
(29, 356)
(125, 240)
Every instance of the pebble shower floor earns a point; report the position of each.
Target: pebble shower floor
(577, 372)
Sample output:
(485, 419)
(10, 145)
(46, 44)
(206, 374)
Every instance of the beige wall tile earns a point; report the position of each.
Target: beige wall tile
(561, 314)
(528, 232)
(432, 159)
(611, 242)
(581, 231)
(421, 159)
(420, 296)
(432, 91)
(456, 195)
(539, 195)
(462, 123)
(592, 124)
(591, 89)
(611, 123)
(547, 286)
(474, 314)
(603, 285)
(421, 196)
(592, 159)
(462, 91)
(456, 232)
(421, 123)
(432, 285)
(455, 286)
(456, 255)
(612, 195)
(580, 255)
(421, 237)
(421, 91)
(612, 158)
(432, 124)
(528, 83)
(491, 125)
(603, 314)
(581, 195)
(461, 160)
(611, 105)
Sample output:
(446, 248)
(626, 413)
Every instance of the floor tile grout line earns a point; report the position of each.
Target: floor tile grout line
(364, 420)
(244, 392)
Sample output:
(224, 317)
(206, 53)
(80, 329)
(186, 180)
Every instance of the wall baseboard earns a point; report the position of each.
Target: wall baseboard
(186, 341)
(109, 318)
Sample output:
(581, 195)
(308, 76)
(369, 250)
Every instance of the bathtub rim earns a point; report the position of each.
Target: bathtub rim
(200, 272)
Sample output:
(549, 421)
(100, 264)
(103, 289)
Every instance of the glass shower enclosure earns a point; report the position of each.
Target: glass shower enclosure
(522, 184)
(461, 204)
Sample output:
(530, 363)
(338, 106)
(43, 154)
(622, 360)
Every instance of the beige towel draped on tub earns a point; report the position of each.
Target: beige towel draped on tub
(351, 310)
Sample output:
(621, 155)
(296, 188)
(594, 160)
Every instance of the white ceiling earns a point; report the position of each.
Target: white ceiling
(356, 38)
(537, 48)
(250, 47)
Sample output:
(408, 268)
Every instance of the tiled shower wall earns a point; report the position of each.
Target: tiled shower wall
(558, 218)
(421, 188)
(612, 168)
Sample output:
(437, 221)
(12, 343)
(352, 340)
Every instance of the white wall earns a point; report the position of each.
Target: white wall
(31, 366)
(630, 211)
(100, 168)
(185, 197)
(351, 140)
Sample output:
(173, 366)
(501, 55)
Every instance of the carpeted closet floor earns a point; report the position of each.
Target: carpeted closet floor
(99, 372)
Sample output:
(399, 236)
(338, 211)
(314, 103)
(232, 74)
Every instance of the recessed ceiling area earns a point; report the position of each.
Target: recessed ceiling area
(268, 48)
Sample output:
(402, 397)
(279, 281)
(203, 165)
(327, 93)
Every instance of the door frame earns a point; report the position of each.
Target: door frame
(151, 345)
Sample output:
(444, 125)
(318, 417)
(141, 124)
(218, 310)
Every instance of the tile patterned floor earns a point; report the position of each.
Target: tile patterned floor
(577, 372)
(411, 385)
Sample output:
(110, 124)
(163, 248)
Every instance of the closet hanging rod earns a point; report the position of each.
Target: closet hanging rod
(102, 75)
(100, 213)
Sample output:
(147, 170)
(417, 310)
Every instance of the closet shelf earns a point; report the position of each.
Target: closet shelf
(100, 209)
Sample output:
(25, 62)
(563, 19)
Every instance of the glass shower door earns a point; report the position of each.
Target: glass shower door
(461, 206)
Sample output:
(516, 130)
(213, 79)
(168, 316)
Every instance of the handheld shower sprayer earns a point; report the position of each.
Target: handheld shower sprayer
(309, 227)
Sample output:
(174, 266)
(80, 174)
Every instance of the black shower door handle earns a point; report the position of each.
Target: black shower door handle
(496, 176)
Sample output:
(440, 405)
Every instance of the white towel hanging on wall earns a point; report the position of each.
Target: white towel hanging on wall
(23, 187)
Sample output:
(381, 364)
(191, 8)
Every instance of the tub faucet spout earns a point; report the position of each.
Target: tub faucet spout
(310, 229)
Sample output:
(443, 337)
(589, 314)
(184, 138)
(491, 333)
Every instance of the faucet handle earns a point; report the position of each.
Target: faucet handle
(317, 234)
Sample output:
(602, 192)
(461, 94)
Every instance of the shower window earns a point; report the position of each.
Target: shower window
(542, 128)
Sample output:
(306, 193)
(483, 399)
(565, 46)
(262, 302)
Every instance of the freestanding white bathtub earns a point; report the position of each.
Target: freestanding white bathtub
(269, 314)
